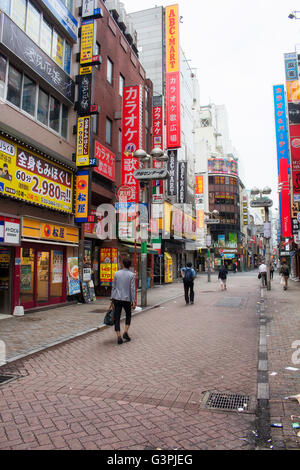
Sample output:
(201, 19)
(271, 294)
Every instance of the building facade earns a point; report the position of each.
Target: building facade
(37, 92)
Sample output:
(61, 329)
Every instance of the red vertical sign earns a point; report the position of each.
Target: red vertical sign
(157, 120)
(130, 139)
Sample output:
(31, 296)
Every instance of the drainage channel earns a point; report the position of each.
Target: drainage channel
(263, 438)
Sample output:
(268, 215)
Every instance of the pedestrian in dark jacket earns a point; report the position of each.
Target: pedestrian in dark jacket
(188, 275)
(223, 277)
(285, 272)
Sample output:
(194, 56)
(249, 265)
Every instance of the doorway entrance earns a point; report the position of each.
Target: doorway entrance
(43, 276)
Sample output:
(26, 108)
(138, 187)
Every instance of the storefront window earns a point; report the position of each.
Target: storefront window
(54, 114)
(14, 86)
(43, 105)
(28, 98)
(3, 63)
(56, 284)
(18, 12)
(33, 23)
(46, 37)
(27, 275)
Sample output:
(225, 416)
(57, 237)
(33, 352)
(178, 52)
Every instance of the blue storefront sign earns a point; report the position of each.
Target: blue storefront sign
(66, 19)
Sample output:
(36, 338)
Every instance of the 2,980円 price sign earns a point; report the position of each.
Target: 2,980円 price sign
(32, 178)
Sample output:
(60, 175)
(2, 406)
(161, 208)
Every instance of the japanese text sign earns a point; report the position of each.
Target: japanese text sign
(131, 138)
(105, 161)
(83, 141)
(87, 41)
(173, 125)
(157, 120)
(82, 196)
(172, 39)
(281, 127)
(27, 176)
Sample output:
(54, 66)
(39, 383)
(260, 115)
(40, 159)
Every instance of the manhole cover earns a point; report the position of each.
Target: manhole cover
(228, 402)
(4, 379)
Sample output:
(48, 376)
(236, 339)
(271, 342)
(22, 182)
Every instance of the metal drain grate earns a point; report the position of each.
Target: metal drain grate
(228, 402)
(4, 379)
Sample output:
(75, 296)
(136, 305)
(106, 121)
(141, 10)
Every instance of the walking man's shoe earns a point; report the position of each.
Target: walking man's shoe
(125, 336)
(120, 341)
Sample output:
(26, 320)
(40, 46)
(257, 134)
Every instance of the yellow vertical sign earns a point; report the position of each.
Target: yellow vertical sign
(172, 39)
(83, 141)
(87, 41)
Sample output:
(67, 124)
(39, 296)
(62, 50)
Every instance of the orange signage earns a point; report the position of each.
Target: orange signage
(172, 39)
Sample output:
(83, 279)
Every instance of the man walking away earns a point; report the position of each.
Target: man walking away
(223, 277)
(262, 273)
(188, 275)
(123, 296)
(285, 272)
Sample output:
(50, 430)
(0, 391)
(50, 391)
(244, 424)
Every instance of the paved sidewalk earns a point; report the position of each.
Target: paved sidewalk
(39, 330)
(282, 312)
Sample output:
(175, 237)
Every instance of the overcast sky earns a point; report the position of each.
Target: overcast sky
(237, 47)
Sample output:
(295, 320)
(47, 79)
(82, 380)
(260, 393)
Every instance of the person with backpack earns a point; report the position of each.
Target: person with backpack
(285, 272)
(223, 277)
(188, 275)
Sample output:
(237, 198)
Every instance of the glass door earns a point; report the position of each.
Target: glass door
(43, 274)
(5, 280)
(42, 282)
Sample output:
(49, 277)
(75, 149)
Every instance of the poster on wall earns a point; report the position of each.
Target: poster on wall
(73, 276)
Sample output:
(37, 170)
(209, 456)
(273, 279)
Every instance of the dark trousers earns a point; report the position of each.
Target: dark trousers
(118, 305)
(264, 279)
(188, 291)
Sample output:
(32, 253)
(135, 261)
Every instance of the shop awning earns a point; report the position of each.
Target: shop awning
(150, 251)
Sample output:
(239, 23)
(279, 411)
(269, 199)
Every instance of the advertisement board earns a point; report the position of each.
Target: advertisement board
(81, 196)
(32, 178)
(131, 134)
(223, 166)
(173, 106)
(105, 161)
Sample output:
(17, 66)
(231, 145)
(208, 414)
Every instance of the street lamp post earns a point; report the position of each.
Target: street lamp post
(212, 218)
(266, 203)
(158, 154)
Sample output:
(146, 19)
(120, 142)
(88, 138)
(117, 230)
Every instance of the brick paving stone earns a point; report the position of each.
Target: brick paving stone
(92, 393)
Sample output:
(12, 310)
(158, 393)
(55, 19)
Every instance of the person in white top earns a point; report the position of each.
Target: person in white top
(262, 273)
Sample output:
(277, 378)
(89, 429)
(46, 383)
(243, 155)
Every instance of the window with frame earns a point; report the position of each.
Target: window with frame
(3, 64)
(43, 107)
(109, 71)
(28, 95)
(14, 86)
(108, 133)
(121, 84)
(33, 22)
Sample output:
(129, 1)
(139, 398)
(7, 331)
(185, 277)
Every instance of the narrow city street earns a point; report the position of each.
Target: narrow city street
(90, 393)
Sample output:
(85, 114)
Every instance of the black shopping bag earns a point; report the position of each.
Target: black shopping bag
(109, 318)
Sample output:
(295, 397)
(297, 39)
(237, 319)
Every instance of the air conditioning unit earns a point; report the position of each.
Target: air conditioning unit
(122, 17)
(114, 7)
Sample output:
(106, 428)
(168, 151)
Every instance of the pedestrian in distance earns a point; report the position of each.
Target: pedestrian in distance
(188, 275)
(223, 277)
(262, 273)
(123, 296)
(271, 270)
(285, 272)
